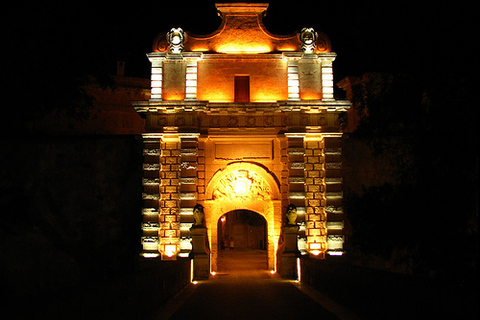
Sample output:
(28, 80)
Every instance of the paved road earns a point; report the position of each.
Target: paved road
(244, 289)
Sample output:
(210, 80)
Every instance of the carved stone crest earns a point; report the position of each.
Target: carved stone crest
(308, 37)
(242, 185)
(176, 38)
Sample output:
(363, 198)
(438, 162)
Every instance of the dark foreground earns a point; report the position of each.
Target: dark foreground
(244, 289)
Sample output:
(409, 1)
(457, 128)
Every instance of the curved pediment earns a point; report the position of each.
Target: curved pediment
(242, 31)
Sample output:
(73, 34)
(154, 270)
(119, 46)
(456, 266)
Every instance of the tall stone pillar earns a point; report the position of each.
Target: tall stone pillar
(169, 232)
(188, 187)
(334, 194)
(315, 200)
(151, 195)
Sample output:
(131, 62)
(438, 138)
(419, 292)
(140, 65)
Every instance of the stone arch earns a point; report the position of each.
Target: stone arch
(244, 186)
(248, 166)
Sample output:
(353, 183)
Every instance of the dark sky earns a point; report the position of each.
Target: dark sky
(366, 35)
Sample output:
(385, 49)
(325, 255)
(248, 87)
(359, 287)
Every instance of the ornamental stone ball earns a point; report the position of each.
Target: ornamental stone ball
(291, 214)
(198, 215)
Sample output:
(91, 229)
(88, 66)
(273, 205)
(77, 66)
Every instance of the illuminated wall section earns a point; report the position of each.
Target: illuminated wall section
(151, 195)
(334, 193)
(191, 181)
(169, 232)
(205, 148)
(268, 77)
(161, 196)
(315, 199)
(156, 59)
(310, 85)
(327, 76)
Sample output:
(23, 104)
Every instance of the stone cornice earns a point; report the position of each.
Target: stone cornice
(251, 107)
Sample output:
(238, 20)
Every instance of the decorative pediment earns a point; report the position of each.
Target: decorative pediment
(242, 31)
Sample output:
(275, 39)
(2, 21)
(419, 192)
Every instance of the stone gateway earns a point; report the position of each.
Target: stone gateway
(242, 119)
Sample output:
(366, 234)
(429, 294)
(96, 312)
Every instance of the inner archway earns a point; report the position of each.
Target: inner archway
(242, 241)
(243, 186)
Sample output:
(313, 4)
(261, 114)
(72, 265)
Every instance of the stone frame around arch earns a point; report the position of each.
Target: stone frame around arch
(270, 209)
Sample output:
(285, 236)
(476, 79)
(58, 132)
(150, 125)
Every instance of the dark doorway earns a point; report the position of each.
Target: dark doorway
(242, 89)
(242, 241)
(242, 229)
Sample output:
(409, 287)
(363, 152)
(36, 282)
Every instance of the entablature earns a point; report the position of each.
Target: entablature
(143, 107)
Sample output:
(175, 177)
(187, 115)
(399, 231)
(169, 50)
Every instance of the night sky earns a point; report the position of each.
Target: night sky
(368, 36)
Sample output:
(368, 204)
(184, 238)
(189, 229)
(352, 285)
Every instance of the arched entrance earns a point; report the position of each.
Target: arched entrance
(242, 241)
(249, 187)
(242, 229)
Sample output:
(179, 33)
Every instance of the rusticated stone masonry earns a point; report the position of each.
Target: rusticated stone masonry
(315, 200)
(169, 232)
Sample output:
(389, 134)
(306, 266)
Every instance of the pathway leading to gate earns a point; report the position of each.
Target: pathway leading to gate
(244, 289)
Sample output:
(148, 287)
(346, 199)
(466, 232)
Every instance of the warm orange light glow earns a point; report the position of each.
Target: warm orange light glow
(242, 183)
(315, 248)
(215, 81)
(242, 48)
(170, 250)
(199, 49)
(261, 190)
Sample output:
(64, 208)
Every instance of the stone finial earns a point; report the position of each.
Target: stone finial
(308, 37)
(291, 214)
(198, 215)
(176, 38)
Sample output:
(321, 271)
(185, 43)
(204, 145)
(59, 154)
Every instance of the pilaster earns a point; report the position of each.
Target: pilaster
(334, 193)
(157, 74)
(315, 200)
(189, 163)
(296, 181)
(169, 217)
(151, 195)
(327, 76)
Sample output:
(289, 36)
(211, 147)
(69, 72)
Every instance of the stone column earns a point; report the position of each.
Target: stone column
(296, 178)
(191, 74)
(151, 195)
(157, 59)
(334, 194)
(169, 232)
(327, 76)
(188, 187)
(315, 200)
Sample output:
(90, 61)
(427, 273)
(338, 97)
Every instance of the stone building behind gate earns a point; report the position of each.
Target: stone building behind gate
(242, 119)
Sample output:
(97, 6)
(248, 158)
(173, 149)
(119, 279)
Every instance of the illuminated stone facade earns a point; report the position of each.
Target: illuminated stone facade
(242, 120)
